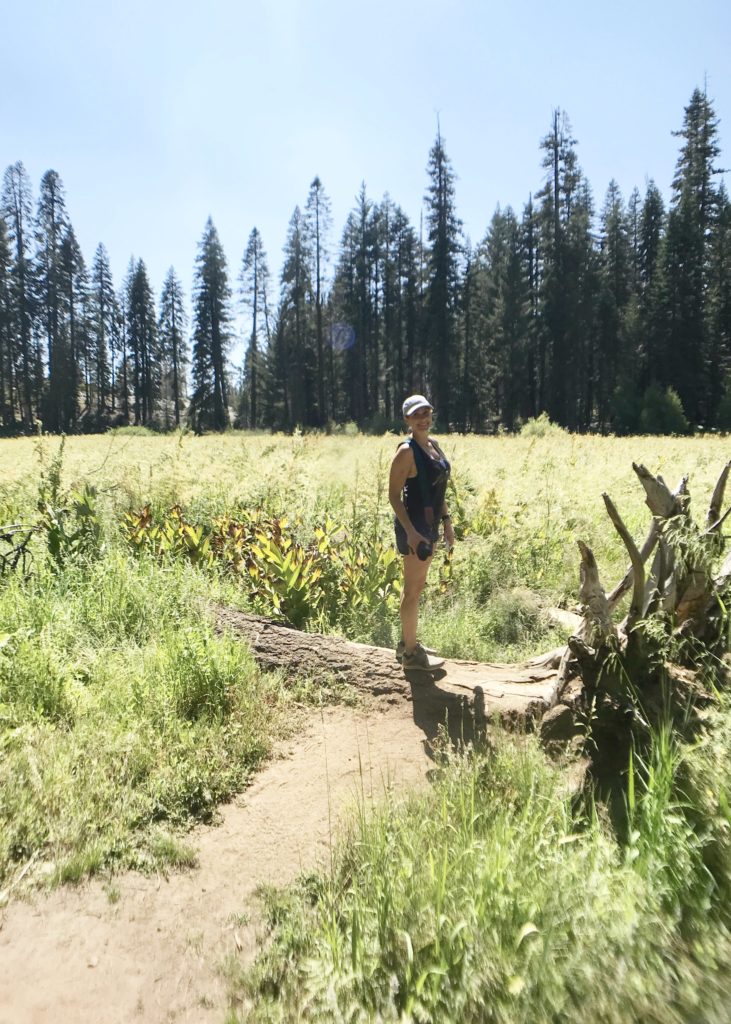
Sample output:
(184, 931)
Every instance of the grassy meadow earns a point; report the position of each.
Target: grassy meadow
(125, 718)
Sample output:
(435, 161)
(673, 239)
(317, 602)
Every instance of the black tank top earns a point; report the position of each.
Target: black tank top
(424, 493)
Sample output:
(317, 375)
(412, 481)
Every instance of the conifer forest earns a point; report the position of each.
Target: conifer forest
(609, 315)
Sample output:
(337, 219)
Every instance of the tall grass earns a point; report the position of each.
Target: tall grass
(494, 898)
(123, 715)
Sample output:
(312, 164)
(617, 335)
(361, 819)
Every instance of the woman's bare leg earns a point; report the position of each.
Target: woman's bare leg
(414, 579)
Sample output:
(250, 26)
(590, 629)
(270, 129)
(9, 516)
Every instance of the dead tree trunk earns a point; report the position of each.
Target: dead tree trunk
(677, 609)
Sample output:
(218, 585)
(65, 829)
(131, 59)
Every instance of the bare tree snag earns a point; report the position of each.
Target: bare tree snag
(596, 624)
(638, 569)
(680, 592)
(658, 498)
(713, 519)
(625, 583)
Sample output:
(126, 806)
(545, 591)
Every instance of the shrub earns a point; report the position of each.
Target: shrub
(541, 426)
(626, 407)
(662, 412)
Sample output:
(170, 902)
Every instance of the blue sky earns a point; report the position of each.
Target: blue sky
(157, 114)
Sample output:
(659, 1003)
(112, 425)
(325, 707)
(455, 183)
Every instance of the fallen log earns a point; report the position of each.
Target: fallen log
(465, 694)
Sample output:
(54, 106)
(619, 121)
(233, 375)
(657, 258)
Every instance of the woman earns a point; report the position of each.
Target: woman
(416, 490)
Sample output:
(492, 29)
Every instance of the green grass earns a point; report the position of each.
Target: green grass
(125, 718)
(122, 713)
(494, 899)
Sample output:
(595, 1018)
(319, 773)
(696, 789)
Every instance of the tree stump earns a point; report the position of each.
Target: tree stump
(642, 668)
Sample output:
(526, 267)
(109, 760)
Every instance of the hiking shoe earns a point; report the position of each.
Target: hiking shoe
(401, 647)
(420, 658)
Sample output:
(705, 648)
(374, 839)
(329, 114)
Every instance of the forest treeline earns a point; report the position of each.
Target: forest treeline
(616, 319)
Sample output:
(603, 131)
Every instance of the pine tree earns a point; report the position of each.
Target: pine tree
(318, 221)
(296, 366)
(405, 253)
(51, 226)
(345, 315)
(443, 280)
(142, 345)
(254, 281)
(534, 400)
(567, 280)
(470, 385)
(173, 349)
(613, 355)
(395, 313)
(211, 334)
(355, 311)
(688, 269)
(103, 316)
(625, 400)
(124, 375)
(16, 208)
(506, 320)
(719, 302)
(7, 335)
(73, 340)
(651, 305)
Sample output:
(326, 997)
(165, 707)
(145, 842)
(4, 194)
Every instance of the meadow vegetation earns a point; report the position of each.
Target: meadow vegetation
(125, 718)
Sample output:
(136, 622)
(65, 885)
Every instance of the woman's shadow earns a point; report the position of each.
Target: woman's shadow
(442, 711)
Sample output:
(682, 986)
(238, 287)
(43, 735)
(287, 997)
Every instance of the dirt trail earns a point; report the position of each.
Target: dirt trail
(154, 955)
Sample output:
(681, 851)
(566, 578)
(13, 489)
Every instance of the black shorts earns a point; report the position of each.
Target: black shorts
(424, 530)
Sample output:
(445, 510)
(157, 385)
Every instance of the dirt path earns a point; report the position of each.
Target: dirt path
(154, 955)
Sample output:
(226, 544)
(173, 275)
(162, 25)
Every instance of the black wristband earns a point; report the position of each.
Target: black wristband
(446, 518)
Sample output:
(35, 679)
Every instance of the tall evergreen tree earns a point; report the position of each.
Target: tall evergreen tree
(142, 345)
(17, 209)
(346, 315)
(653, 362)
(124, 375)
(7, 335)
(254, 280)
(443, 280)
(723, 270)
(535, 397)
(73, 342)
(405, 254)
(615, 271)
(694, 211)
(720, 313)
(296, 366)
(355, 310)
(506, 311)
(52, 224)
(566, 279)
(318, 221)
(472, 382)
(211, 334)
(173, 349)
(103, 315)
(397, 317)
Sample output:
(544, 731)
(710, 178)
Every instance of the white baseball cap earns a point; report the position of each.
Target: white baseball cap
(414, 402)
